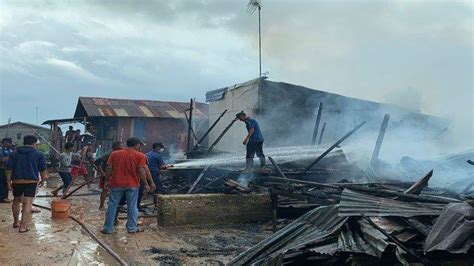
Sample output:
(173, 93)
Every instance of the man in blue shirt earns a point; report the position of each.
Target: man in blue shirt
(5, 152)
(253, 140)
(155, 164)
(24, 168)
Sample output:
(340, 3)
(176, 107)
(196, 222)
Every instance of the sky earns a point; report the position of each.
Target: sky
(416, 54)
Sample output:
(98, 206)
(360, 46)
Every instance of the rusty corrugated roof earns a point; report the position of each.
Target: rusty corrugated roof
(95, 106)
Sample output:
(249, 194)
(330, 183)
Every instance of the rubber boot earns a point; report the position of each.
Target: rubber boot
(249, 164)
(262, 162)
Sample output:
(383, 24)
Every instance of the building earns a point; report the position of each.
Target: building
(110, 120)
(17, 130)
(287, 115)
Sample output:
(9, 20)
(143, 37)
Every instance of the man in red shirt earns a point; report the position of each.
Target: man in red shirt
(126, 169)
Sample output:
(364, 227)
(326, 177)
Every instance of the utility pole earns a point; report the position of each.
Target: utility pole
(259, 41)
(251, 7)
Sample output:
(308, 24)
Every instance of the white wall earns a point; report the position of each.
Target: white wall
(243, 98)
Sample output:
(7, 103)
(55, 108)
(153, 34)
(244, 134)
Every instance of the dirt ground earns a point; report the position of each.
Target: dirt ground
(56, 242)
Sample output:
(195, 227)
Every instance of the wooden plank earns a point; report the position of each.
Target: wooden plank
(333, 147)
(277, 167)
(198, 179)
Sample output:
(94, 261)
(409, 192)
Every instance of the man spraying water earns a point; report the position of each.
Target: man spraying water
(253, 141)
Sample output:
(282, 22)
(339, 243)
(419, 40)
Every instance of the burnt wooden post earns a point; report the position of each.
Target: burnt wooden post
(192, 130)
(188, 147)
(316, 125)
(274, 199)
(220, 136)
(212, 127)
(378, 144)
(277, 167)
(332, 147)
(322, 133)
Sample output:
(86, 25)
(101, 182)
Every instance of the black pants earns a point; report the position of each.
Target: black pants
(159, 187)
(66, 178)
(3, 185)
(255, 147)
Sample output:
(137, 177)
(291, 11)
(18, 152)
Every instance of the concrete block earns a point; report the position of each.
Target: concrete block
(213, 209)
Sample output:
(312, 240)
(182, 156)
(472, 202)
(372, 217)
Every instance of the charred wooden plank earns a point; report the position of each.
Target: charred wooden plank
(198, 179)
(316, 125)
(333, 147)
(380, 137)
(420, 184)
(236, 185)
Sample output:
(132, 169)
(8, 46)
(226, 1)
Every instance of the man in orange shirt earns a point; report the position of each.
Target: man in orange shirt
(126, 169)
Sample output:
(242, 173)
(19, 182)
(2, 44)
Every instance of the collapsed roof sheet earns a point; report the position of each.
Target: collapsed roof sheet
(357, 204)
(321, 231)
(453, 231)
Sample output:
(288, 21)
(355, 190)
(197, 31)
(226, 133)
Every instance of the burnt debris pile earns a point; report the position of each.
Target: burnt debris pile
(336, 213)
(329, 210)
(370, 230)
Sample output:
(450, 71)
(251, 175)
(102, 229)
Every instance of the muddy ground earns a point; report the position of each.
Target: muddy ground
(56, 242)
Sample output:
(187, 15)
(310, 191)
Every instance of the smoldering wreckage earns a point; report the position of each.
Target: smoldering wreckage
(323, 207)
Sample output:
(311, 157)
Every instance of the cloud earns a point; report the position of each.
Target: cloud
(174, 50)
(71, 69)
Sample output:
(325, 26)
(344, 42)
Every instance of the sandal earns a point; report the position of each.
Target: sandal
(24, 231)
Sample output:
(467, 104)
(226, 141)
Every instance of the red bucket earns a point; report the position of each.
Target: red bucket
(60, 209)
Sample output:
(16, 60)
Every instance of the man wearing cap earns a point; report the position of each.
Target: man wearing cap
(5, 152)
(155, 164)
(253, 140)
(126, 169)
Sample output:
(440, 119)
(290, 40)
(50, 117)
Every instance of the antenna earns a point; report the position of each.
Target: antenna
(251, 7)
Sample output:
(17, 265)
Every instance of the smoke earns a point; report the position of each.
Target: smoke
(174, 154)
(245, 178)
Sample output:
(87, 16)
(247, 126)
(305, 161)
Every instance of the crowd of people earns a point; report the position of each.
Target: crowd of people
(125, 173)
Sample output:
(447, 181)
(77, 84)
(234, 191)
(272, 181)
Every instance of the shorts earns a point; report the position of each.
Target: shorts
(254, 147)
(27, 190)
(76, 171)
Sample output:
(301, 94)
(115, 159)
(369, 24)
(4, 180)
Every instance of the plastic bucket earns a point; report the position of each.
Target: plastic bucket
(60, 208)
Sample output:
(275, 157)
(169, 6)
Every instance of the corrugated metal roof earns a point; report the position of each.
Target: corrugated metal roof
(453, 230)
(356, 204)
(315, 225)
(94, 106)
(322, 232)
